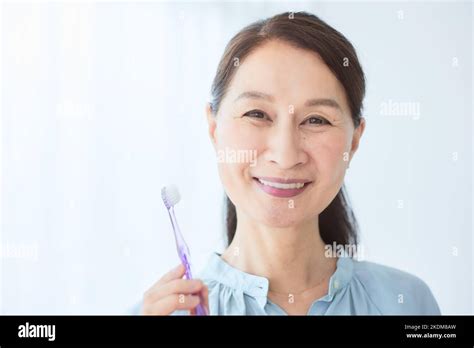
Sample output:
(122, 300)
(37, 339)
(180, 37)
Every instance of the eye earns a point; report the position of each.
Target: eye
(256, 114)
(317, 121)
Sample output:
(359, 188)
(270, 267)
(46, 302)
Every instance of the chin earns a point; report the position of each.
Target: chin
(278, 217)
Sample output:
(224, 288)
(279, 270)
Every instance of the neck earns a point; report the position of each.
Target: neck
(291, 258)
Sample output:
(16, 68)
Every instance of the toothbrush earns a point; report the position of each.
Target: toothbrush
(171, 197)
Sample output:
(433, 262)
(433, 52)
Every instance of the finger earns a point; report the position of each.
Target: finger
(171, 303)
(175, 273)
(205, 294)
(204, 299)
(177, 286)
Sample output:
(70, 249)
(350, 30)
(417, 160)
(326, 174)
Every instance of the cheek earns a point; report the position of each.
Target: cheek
(238, 135)
(328, 153)
(237, 147)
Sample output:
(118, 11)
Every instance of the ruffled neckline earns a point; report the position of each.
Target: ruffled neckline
(219, 270)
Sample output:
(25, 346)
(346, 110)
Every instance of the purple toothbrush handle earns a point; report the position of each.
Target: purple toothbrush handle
(200, 308)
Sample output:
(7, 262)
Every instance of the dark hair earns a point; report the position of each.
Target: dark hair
(337, 222)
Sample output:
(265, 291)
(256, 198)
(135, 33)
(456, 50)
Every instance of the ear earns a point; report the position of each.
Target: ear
(356, 138)
(211, 122)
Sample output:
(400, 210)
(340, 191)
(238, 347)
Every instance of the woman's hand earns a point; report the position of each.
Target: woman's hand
(171, 293)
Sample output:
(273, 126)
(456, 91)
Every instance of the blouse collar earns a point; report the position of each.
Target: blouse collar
(256, 286)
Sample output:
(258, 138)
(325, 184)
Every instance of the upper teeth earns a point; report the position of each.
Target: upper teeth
(280, 185)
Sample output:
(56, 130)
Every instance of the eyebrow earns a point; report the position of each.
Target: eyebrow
(310, 102)
(255, 95)
(323, 102)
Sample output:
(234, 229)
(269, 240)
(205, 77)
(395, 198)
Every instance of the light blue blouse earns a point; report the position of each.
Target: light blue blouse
(355, 288)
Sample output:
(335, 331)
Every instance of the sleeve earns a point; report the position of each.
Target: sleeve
(136, 309)
(426, 300)
(396, 292)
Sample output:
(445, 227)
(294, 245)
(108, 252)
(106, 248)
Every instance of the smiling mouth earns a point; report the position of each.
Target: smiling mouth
(282, 187)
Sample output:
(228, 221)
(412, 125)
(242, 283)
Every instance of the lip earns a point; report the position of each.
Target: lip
(281, 193)
(280, 180)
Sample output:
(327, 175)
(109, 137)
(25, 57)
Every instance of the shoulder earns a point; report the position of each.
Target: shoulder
(394, 291)
(135, 309)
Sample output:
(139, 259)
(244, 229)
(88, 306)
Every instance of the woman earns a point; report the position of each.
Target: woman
(289, 90)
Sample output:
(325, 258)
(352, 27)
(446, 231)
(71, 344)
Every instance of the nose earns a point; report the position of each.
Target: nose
(284, 147)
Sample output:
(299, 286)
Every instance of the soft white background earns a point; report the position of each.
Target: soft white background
(103, 104)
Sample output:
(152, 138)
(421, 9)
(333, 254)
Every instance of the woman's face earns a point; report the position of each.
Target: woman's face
(283, 122)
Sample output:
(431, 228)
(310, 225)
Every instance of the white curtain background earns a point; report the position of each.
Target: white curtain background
(103, 104)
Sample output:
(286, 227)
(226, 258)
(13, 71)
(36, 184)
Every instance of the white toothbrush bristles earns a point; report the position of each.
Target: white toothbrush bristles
(170, 195)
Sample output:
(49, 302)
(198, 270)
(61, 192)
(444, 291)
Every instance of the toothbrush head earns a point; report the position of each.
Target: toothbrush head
(170, 196)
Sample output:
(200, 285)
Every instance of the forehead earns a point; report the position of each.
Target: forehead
(290, 74)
